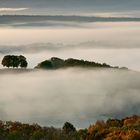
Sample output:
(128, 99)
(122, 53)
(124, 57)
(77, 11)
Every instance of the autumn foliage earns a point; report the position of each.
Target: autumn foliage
(114, 129)
(19, 131)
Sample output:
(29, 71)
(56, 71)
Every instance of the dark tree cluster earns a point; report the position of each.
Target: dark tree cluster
(55, 63)
(68, 128)
(14, 61)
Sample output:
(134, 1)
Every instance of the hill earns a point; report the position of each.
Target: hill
(57, 63)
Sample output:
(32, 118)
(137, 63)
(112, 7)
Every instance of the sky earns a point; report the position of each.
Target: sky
(69, 6)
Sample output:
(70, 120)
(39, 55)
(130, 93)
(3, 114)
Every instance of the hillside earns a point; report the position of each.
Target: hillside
(113, 129)
(56, 63)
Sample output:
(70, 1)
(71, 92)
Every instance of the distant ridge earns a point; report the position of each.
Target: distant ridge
(69, 18)
(36, 20)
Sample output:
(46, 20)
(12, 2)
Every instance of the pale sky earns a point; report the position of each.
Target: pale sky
(68, 6)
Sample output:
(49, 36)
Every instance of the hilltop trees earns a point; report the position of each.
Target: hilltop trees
(14, 61)
(56, 63)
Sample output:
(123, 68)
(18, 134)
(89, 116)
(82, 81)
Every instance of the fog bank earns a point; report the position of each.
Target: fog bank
(80, 96)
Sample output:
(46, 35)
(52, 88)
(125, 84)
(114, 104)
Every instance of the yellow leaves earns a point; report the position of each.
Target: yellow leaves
(114, 129)
(134, 120)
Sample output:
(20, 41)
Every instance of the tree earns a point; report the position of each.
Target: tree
(6, 61)
(68, 128)
(14, 61)
(23, 62)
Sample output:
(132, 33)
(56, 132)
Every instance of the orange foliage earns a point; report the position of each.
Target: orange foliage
(113, 129)
(134, 120)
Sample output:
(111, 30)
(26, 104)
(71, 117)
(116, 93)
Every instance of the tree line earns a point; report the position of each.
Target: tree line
(16, 61)
(19, 131)
(57, 63)
(112, 129)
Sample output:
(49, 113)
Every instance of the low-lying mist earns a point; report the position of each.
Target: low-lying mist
(80, 96)
(115, 43)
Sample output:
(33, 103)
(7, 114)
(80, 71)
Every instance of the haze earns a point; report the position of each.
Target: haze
(80, 96)
(114, 43)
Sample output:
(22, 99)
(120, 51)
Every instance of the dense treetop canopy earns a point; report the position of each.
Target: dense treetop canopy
(14, 61)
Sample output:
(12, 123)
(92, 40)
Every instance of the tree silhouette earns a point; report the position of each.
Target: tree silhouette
(68, 128)
(14, 61)
(22, 61)
(56, 63)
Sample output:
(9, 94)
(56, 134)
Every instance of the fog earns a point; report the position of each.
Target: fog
(114, 43)
(116, 57)
(117, 34)
(80, 96)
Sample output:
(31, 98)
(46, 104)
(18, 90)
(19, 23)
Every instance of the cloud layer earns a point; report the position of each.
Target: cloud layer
(12, 9)
(56, 20)
(80, 96)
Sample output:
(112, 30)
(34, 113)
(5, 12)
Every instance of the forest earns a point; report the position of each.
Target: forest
(112, 129)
